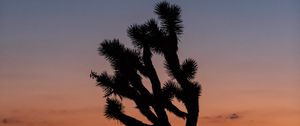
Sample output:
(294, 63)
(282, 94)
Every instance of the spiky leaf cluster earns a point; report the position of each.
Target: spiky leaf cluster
(189, 68)
(170, 17)
(113, 108)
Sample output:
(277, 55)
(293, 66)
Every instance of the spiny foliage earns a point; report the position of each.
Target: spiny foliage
(170, 17)
(189, 68)
(113, 108)
(147, 35)
(105, 81)
(131, 65)
(122, 59)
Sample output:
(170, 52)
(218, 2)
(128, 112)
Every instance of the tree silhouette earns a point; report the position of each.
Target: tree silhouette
(131, 65)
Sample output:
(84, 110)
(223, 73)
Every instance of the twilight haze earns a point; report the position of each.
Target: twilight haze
(247, 52)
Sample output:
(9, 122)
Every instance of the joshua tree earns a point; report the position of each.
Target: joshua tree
(131, 65)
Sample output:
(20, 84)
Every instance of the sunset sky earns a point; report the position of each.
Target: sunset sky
(248, 54)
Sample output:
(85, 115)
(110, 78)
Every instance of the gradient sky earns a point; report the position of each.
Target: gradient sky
(248, 52)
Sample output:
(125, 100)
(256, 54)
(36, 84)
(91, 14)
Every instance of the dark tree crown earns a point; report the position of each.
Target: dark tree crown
(131, 65)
